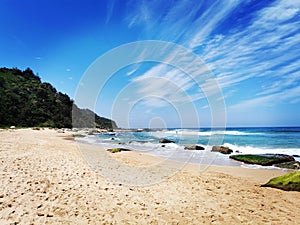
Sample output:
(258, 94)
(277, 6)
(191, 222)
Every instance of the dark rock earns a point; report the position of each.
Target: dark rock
(163, 146)
(115, 150)
(194, 147)
(293, 165)
(137, 141)
(263, 159)
(221, 149)
(298, 156)
(165, 141)
(78, 135)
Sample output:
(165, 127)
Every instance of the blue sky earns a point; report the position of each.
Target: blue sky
(252, 49)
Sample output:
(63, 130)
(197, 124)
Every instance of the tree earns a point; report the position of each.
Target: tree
(25, 101)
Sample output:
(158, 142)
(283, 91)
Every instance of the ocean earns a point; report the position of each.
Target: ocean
(250, 140)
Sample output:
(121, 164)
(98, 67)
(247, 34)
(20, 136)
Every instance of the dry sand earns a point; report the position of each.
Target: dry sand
(46, 179)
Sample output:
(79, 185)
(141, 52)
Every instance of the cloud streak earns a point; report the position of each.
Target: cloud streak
(270, 100)
(266, 49)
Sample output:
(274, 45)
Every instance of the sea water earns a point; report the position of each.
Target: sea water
(258, 140)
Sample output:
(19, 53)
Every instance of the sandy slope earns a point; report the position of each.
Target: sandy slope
(46, 179)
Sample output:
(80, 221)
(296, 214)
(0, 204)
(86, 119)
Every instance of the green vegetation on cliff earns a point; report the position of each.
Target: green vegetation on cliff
(25, 101)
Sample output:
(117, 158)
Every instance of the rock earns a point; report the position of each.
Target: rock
(78, 135)
(12, 127)
(40, 214)
(221, 149)
(293, 165)
(194, 147)
(165, 141)
(115, 150)
(136, 141)
(287, 182)
(263, 159)
(163, 146)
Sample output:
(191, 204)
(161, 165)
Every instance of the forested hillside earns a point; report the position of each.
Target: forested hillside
(25, 101)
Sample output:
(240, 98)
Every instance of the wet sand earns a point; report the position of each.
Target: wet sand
(46, 177)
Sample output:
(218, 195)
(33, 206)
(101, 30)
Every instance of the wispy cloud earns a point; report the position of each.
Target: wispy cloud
(172, 25)
(266, 49)
(161, 88)
(269, 100)
(141, 13)
(110, 9)
(183, 80)
(207, 22)
(134, 68)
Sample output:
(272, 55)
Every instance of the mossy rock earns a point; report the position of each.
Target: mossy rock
(287, 182)
(264, 159)
(115, 150)
(294, 165)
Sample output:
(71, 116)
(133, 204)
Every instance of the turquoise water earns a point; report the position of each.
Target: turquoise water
(283, 140)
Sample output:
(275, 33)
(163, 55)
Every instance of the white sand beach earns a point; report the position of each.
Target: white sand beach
(47, 178)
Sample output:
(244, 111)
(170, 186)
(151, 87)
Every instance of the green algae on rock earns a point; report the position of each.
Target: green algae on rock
(287, 182)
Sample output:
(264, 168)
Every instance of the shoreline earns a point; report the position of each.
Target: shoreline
(240, 140)
(45, 179)
(204, 157)
(136, 158)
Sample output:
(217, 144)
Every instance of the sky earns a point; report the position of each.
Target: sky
(241, 58)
